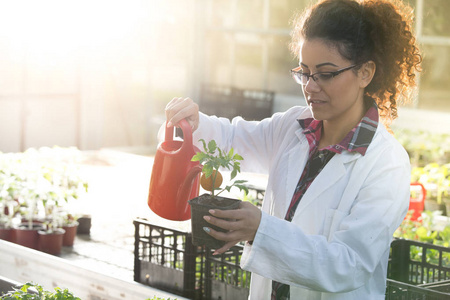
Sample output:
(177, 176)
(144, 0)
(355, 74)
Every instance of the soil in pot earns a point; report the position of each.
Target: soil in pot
(28, 237)
(71, 232)
(200, 207)
(51, 242)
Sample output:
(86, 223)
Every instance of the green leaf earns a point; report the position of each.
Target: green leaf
(220, 153)
(212, 146)
(207, 170)
(223, 162)
(199, 156)
(238, 157)
(240, 181)
(242, 188)
(196, 157)
(230, 153)
(204, 144)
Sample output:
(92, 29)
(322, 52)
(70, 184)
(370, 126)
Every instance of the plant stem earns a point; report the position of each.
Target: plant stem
(214, 183)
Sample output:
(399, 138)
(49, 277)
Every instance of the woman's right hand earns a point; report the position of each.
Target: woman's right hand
(182, 108)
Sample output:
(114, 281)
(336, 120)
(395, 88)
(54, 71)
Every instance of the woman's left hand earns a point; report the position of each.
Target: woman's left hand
(241, 226)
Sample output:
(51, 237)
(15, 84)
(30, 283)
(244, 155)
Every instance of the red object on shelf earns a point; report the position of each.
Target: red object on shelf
(417, 200)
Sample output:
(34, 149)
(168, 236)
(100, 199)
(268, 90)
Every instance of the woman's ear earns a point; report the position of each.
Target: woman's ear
(366, 73)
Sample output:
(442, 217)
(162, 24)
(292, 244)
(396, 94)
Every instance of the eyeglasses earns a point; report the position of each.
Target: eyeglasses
(319, 77)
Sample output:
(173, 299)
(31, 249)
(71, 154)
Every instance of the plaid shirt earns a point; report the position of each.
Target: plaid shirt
(357, 140)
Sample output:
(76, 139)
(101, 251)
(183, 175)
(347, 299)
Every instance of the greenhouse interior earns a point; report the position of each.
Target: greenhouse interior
(84, 90)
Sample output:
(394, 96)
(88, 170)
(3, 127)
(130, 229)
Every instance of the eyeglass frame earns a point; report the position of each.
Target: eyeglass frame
(294, 74)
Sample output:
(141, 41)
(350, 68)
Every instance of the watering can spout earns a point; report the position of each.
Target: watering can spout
(185, 190)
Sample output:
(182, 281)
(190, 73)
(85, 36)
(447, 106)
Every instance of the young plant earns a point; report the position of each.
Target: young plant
(214, 158)
(31, 291)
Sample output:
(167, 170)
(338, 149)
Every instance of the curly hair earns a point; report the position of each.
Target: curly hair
(376, 30)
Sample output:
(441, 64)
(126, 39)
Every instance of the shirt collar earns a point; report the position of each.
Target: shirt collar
(358, 139)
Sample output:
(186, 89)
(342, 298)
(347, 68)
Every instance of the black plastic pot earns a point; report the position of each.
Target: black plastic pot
(200, 207)
(84, 225)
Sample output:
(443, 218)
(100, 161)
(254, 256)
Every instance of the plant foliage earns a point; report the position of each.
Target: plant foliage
(213, 158)
(32, 291)
(424, 229)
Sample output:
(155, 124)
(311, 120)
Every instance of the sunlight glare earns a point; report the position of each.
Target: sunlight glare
(68, 26)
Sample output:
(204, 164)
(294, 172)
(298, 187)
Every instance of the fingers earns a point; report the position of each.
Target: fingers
(225, 247)
(223, 236)
(224, 224)
(239, 224)
(182, 108)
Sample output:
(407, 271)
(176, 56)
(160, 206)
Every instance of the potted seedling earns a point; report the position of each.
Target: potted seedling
(51, 236)
(26, 233)
(51, 239)
(213, 158)
(7, 210)
(6, 230)
(70, 225)
(11, 186)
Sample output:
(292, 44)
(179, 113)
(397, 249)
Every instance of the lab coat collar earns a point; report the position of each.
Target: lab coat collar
(333, 171)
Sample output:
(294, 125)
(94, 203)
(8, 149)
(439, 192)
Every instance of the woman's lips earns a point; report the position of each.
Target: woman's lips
(315, 102)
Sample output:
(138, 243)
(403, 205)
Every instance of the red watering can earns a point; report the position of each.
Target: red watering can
(175, 178)
(417, 199)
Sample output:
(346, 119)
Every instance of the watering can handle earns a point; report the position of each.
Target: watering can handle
(187, 133)
(185, 190)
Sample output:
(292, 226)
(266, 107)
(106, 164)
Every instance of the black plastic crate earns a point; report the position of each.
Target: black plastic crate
(255, 194)
(256, 104)
(166, 259)
(396, 290)
(418, 263)
(221, 101)
(441, 286)
(229, 102)
(224, 278)
(418, 270)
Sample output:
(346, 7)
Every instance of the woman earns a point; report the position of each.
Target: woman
(338, 180)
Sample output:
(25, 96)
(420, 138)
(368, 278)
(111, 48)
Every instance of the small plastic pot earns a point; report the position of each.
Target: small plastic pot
(200, 207)
(51, 242)
(28, 237)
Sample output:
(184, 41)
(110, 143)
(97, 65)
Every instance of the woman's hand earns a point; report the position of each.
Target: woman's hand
(242, 227)
(182, 108)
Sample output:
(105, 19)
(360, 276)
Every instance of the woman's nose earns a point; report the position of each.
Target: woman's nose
(312, 86)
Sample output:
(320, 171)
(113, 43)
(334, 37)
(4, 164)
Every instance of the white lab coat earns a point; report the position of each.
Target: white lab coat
(337, 245)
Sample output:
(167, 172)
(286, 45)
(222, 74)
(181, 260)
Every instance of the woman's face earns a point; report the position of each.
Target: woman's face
(337, 99)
